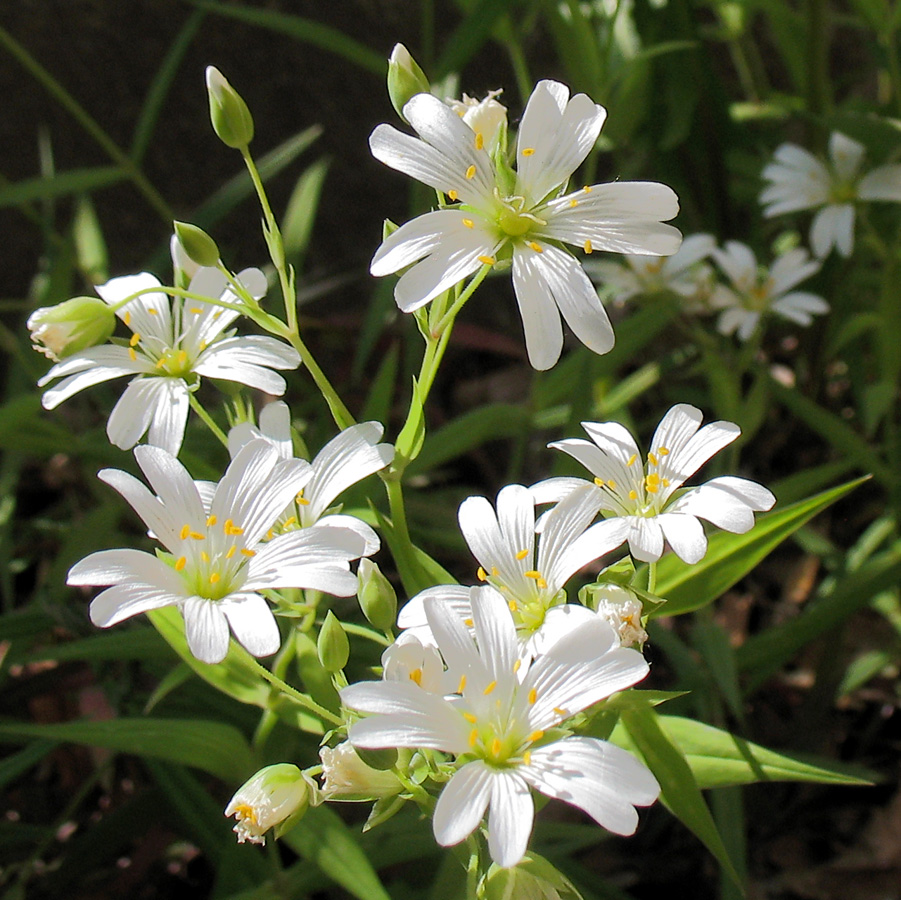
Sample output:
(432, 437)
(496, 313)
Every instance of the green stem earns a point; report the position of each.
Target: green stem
(115, 153)
(368, 633)
(398, 510)
(652, 577)
(207, 419)
(303, 700)
(447, 320)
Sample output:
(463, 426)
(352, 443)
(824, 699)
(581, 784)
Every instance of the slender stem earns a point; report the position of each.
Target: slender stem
(368, 633)
(447, 320)
(652, 577)
(56, 90)
(207, 419)
(302, 699)
(398, 510)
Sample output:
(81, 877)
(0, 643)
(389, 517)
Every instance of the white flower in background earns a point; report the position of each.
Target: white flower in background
(684, 273)
(486, 117)
(408, 659)
(346, 777)
(221, 561)
(641, 498)
(346, 459)
(497, 726)
(274, 795)
(756, 291)
(530, 570)
(171, 347)
(798, 180)
(489, 221)
(622, 610)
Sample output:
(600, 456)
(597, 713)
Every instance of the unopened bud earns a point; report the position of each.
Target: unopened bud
(487, 118)
(69, 327)
(333, 646)
(276, 797)
(377, 597)
(229, 114)
(183, 267)
(405, 78)
(198, 245)
(345, 776)
(620, 607)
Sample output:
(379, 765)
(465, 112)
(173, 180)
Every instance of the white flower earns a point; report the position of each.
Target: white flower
(530, 570)
(408, 659)
(346, 459)
(486, 117)
(221, 562)
(683, 273)
(619, 607)
(643, 501)
(171, 347)
(798, 180)
(527, 220)
(498, 726)
(275, 794)
(346, 777)
(757, 291)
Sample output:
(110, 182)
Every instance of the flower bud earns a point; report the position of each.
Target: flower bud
(333, 646)
(69, 327)
(276, 796)
(346, 777)
(183, 267)
(620, 607)
(532, 879)
(229, 114)
(199, 246)
(485, 117)
(377, 597)
(405, 78)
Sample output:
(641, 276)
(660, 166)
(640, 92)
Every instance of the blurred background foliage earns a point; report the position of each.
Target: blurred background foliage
(117, 760)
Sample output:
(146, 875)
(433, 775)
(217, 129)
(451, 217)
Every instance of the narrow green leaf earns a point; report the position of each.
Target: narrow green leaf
(324, 840)
(90, 245)
(212, 747)
(18, 763)
(718, 758)
(712, 642)
(73, 181)
(678, 789)
(412, 436)
(381, 389)
(129, 643)
(470, 35)
(301, 211)
(731, 556)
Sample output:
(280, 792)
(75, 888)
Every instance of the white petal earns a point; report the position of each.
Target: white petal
(125, 600)
(137, 313)
(164, 524)
(496, 636)
(598, 777)
(173, 485)
(252, 622)
(645, 539)
(883, 183)
(833, 226)
(510, 817)
(689, 448)
(727, 502)
(412, 614)
(553, 489)
(737, 260)
(800, 306)
(559, 622)
(96, 374)
(462, 803)
(685, 535)
(846, 155)
(540, 317)
(790, 269)
(134, 411)
(206, 629)
(249, 360)
(371, 542)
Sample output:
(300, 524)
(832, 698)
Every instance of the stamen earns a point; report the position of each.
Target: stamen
(599, 482)
(479, 141)
(211, 520)
(528, 151)
(291, 520)
(663, 451)
(471, 173)
(535, 736)
(496, 747)
(452, 196)
(532, 573)
(652, 459)
(127, 318)
(533, 696)
(231, 551)
(632, 459)
(214, 578)
(633, 495)
(494, 571)
(487, 260)
(513, 606)
(153, 312)
(516, 666)
(587, 247)
(135, 340)
(470, 718)
(666, 482)
(416, 677)
(527, 757)
(180, 563)
(134, 356)
(469, 223)
(468, 623)
(611, 484)
(247, 552)
(587, 188)
(482, 576)
(203, 346)
(490, 688)
(182, 357)
(185, 531)
(573, 202)
(561, 712)
(522, 554)
(462, 684)
(541, 583)
(536, 246)
(473, 737)
(196, 310)
(204, 556)
(197, 536)
(159, 363)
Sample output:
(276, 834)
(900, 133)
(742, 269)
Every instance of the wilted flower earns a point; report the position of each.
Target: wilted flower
(346, 777)
(70, 327)
(272, 797)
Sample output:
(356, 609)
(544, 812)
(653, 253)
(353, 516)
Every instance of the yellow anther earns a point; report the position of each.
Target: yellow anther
(196, 310)
(632, 459)
(541, 583)
(532, 573)
(180, 563)
(469, 223)
(153, 312)
(561, 712)
(527, 757)
(416, 677)
(473, 737)
(197, 536)
(185, 531)
(633, 495)
(127, 318)
(496, 747)
(214, 578)
(204, 556)
(159, 363)
(135, 340)
(663, 451)
(666, 482)
(217, 313)
(487, 260)
(490, 688)
(479, 141)
(462, 685)
(516, 666)
(134, 356)
(533, 695)
(203, 346)
(522, 554)
(599, 482)
(482, 576)
(652, 459)
(611, 484)
(452, 196)
(231, 551)
(573, 202)
(291, 520)
(269, 534)
(535, 736)
(494, 571)
(300, 500)
(247, 552)
(470, 173)
(652, 488)
(536, 246)
(470, 718)
(211, 520)
(468, 623)
(512, 605)
(653, 478)
(587, 188)
(182, 357)
(528, 151)
(587, 247)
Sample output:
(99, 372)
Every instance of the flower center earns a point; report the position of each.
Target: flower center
(212, 561)
(843, 192)
(175, 362)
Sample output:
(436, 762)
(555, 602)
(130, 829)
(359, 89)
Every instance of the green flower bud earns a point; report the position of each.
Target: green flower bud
(69, 327)
(532, 879)
(274, 798)
(405, 78)
(377, 597)
(333, 646)
(346, 776)
(229, 114)
(199, 246)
